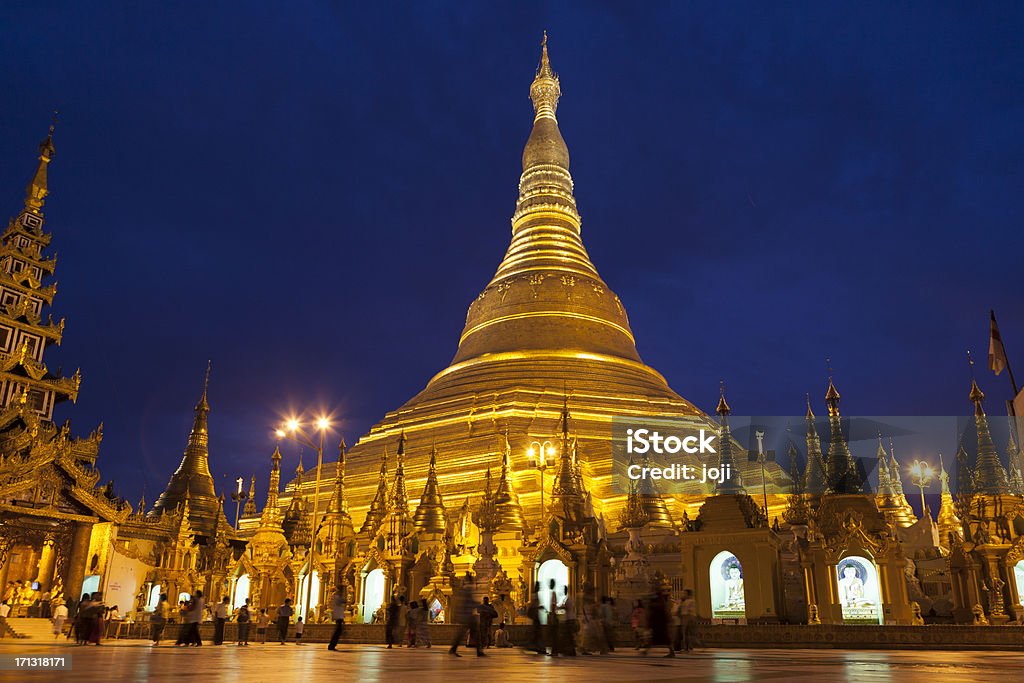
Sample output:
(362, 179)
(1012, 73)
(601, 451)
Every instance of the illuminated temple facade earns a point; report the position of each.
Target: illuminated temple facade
(451, 483)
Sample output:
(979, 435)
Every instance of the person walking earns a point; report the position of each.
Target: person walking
(98, 609)
(607, 614)
(338, 615)
(244, 619)
(82, 624)
(464, 615)
(191, 618)
(553, 618)
(60, 615)
(659, 620)
(262, 622)
(391, 622)
(533, 614)
(638, 622)
(570, 627)
(412, 622)
(688, 614)
(487, 616)
(402, 626)
(298, 630)
(423, 625)
(158, 619)
(284, 617)
(220, 617)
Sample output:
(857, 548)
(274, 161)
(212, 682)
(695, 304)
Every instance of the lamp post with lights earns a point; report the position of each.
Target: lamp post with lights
(921, 474)
(541, 455)
(293, 430)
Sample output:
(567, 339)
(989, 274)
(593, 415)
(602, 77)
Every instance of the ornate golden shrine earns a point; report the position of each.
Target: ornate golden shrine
(546, 354)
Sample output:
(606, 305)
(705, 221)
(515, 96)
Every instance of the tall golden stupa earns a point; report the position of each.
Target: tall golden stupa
(545, 324)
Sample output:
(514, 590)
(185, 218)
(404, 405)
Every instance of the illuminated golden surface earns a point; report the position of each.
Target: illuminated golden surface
(546, 322)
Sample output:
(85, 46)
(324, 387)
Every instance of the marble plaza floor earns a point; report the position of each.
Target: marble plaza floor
(138, 661)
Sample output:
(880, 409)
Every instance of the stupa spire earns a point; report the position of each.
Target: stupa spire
(338, 503)
(431, 516)
(815, 481)
(731, 485)
(38, 187)
(840, 466)
(505, 497)
(378, 507)
(546, 295)
(192, 479)
(249, 510)
(633, 515)
(545, 90)
(989, 475)
(884, 480)
(271, 514)
(399, 497)
(948, 521)
(566, 482)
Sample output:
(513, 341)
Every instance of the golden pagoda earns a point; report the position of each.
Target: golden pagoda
(545, 321)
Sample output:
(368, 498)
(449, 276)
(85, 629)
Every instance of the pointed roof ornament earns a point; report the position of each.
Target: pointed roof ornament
(38, 188)
(378, 506)
(832, 394)
(884, 480)
(430, 516)
(487, 515)
(731, 485)
(989, 475)
(505, 496)
(195, 469)
(545, 89)
(203, 403)
(399, 498)
(338, 503)
(249, 510)
(815, 480)
(723, 407)
(299, 471)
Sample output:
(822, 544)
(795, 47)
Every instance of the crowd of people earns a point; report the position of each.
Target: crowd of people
(559, 627)
(658, 621)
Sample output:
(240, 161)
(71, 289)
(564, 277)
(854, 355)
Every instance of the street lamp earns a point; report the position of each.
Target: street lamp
(541, 456)
(921, 474)
(293, 430)
(239, 496)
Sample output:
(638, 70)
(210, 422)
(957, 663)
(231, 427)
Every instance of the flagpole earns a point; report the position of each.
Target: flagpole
(1005, 357)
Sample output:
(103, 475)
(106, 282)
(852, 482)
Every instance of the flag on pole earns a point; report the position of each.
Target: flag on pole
(996, 353)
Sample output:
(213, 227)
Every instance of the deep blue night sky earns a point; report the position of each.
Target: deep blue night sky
(312, 194)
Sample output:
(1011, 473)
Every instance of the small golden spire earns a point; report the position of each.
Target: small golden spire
(203, 404)
(545, 89)
(723, 407)
(37, 189)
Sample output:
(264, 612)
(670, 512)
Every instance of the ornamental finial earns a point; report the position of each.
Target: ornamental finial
(38, 189)
(203, 404)
(545, 90)
(723, 407)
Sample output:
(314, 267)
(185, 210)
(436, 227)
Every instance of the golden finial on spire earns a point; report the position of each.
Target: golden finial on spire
(723, 407)
(977, 395)
(37, 189)
(545, 89)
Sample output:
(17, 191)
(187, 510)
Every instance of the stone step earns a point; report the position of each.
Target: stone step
(31, 628)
